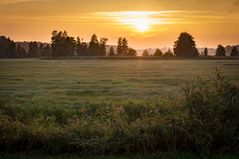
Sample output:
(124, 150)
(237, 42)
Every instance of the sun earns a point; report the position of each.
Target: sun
(141, 24)
(139, 20)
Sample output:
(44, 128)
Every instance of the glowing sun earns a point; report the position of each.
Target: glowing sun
(141, 24)
(139, 20)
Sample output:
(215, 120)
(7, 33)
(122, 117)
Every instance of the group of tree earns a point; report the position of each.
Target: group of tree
(185, 46)
(234, 51)
(38, 50)
(158, 53)
(10, 49)
(222, 52)
(64, 45)
(123, 48)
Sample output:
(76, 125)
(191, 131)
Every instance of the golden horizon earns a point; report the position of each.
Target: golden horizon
(149, 24)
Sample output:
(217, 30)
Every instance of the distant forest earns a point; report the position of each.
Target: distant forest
(63, 45)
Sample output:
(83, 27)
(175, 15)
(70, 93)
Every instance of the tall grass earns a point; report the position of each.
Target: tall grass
(203, 119)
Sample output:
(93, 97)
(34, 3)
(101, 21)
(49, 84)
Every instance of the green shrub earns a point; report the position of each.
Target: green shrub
(212, 107)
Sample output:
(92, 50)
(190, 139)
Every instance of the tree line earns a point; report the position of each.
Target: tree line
(64, 45)
(10, 49)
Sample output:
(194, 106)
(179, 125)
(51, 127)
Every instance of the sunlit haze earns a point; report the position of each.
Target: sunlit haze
(145, 23)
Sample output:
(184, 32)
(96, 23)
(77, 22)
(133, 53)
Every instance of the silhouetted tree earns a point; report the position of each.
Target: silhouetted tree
(7, 48)
(131, 52)
(112, 52)
(119, 46)
(158, 52)
(33, 49)
(168, 53)
(57, 43)
(125, 47)
(185, 46)
(102, 51)
(94, 46)
(78, 46)
(220, 51)
(69, 46)
(145, 53)
(62, 44)
(81, 47)
(205, 52)
(234, 51)
(122, 48)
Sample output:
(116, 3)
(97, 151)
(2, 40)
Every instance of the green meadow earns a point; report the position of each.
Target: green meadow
(77, 81)
(119, 108)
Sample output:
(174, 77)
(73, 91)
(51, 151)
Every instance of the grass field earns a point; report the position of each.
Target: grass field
(117, 107)
(77, 81)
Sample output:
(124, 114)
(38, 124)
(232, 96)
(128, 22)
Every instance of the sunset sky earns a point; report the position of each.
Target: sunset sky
(145, 23)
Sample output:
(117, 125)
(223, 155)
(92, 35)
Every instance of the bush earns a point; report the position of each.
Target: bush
(212, 107)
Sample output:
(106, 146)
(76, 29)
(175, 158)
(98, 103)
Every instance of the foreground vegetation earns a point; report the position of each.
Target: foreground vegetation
(117, 107)
(203, 119)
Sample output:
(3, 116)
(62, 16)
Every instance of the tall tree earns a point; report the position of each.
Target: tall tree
(158, 52)
(94, 46)
(122, 48)
(125, 47)
(234, 51)
(112, 52)
(102, 48)
(62, 44)
(57, 43)
(78, 46)
(205, 52)
(220, 51)
(145, 53)
(69, 46)
(185, 46)
(119, 46)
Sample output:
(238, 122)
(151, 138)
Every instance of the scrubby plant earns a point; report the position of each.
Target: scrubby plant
(212, 107)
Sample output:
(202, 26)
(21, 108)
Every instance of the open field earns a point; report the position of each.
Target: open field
(115, 107)
(76, 81)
